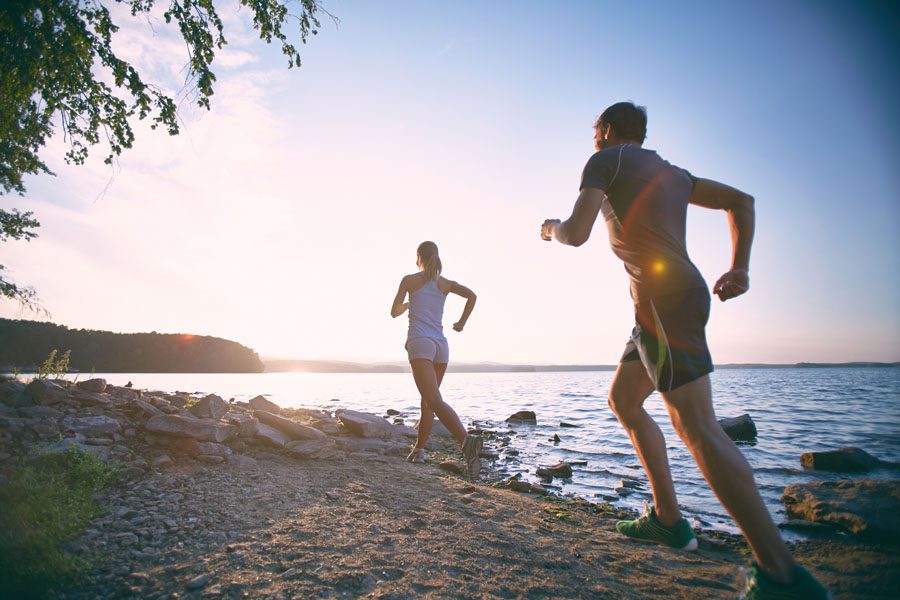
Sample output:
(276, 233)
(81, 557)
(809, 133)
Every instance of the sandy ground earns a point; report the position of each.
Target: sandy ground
(379, 527)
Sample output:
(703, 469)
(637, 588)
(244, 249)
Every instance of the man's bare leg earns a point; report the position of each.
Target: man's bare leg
(630, 388)
(728, 474)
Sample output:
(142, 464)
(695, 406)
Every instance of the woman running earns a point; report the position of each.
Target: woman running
(429, 352)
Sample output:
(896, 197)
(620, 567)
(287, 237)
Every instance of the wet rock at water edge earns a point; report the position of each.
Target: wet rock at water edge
(262, 403)
(867, 508)
(523, 416)
(564, 424)
(562, 470)
(453, 466)
(740, 428)
(845, 460)
(392, 412)
(555, 439)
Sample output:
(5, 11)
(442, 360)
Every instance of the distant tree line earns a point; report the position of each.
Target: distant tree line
(25, 344)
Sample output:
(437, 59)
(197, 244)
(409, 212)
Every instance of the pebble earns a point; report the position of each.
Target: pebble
(197, 582)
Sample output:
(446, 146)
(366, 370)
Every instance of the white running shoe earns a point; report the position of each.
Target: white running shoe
(416, 455)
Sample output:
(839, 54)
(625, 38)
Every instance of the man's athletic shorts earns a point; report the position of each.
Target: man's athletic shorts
(437, 351)
(669, 338)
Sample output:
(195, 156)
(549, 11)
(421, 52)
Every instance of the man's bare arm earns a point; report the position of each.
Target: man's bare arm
(576, 230)
(741, 220)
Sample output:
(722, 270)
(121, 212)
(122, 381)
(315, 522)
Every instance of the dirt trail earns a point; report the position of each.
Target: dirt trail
(383, 528)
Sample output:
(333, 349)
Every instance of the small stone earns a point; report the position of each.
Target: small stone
(211, 459)
(163, 461)
(453, 466)
(564, 424)
(391, 412)
(197, 582)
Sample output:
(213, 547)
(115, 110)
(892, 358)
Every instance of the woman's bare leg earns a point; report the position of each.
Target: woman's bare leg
(425, 374)
(426, 421)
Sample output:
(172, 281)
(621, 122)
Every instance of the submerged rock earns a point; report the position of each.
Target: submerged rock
(523, 416)
(562, 470)
(867, 508)
(845, 460)
(739, 429)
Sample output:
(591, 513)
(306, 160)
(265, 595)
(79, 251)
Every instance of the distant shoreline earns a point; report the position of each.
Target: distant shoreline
(326, 366)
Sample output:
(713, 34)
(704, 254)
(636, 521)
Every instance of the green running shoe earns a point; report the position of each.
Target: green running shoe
(804, 587)
(647, 528)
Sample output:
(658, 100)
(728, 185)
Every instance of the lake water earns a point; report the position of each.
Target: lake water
(795, 410)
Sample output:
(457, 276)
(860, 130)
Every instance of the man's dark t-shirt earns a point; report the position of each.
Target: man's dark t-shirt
(645, 210)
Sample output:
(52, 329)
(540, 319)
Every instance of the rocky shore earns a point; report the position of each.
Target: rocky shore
(233, 499)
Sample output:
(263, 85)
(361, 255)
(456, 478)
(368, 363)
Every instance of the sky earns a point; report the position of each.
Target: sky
(285, 217)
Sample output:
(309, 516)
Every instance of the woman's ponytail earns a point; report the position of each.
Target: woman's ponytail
(431, 262)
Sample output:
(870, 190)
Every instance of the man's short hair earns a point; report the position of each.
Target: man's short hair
(628, 120)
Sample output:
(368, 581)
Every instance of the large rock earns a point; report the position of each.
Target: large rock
(270, 435)
(147, 408)
(740, 428)
(365, 424)
(12, 393)
(845, 460)
(523, 416)
(262, 403)
(92, 426)
(45, 392)
(96, 385)
(867, 508)
(210, 407)
(204, 430)
(92, 399)
(293, 430)
(322, 448)
(561, 469)
(39, 412)
(246, 424)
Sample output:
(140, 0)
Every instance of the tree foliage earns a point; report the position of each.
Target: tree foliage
(59, 72)
(17, 225)
(56, 58)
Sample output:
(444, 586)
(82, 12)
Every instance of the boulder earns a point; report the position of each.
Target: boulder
(200, 429)
(562, 470)
(45, 392)
(740, 428)
(453, 466)
(270, 435)
(146, 408)
(523, 416)
(867, 508)
(261, 403)
(12, 393)
(321, 448)
(210, 407)
(845, 460)
(245, 423)
(96, 385)
(365, 424)
(92, 426)
(326, 425)
(92, 399)
(293, 430)
(39, 412)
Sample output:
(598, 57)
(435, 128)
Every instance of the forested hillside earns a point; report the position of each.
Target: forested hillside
(25, 344)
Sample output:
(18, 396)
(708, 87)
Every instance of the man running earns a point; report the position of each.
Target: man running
(644, 201)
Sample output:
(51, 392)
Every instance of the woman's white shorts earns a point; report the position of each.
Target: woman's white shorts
(437, 351)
